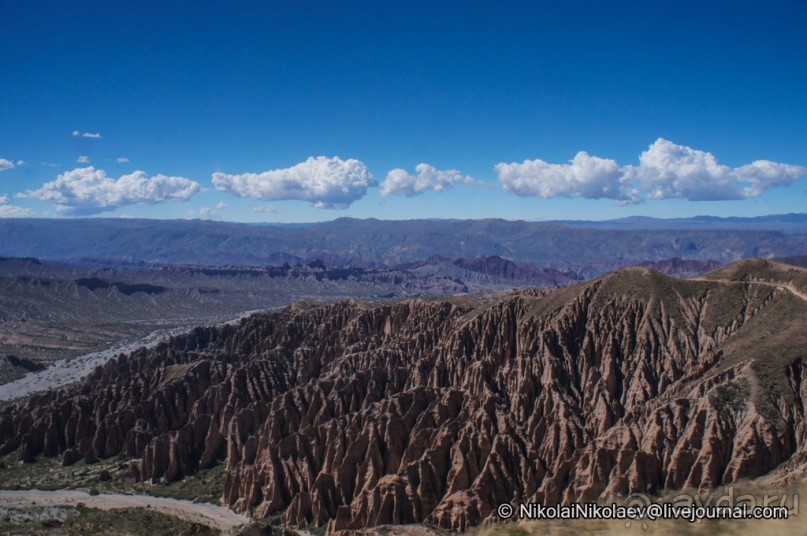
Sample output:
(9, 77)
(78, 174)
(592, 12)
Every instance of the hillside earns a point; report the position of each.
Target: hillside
(434, 412)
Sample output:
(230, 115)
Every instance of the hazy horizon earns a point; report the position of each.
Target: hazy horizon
(403, 219)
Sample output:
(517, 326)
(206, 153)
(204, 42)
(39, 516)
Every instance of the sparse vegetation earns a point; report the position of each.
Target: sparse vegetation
(730, 397)
(130, 521)
(48, 474)
(9, 374)
(204, 486)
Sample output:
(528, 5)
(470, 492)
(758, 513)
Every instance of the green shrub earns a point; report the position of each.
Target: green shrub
(730, 397)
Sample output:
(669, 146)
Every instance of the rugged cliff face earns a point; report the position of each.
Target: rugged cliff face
(436, 412)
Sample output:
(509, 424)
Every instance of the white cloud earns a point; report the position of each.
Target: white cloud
(21, 162)
(587, 176)
(83, 160)
(400, 182)
(12, 211)
(207, 213)
(88, 191)
(666, 171)
(5, 164)
(324, 182)
(7, 210)
(204, 213)
(764, 174)
(121, 160)
(77, 134)
(268, 209)
(50, 164)
(222, 205)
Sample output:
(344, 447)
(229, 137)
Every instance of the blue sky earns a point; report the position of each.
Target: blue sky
(251, 90)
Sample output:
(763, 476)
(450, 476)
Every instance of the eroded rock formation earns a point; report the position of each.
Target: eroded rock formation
(436, 412)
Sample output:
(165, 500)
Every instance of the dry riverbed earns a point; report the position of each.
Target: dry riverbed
(218, 517)
(70, 370)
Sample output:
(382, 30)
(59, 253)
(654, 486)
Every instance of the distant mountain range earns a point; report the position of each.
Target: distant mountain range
(794, 223)
(588, 248)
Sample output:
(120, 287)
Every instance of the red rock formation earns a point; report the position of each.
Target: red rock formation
(434, 412)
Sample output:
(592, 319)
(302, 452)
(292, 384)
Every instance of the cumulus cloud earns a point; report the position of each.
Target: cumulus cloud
(5, 164)
(666, 170)
(89, 190)
(764, 174)
(268, 209)
(7, 210)
(121, 160)
(77, 134)
(585, 176)
(21, 162)
(83, 160)
(426, 178)
(222, 205)
(324, 182)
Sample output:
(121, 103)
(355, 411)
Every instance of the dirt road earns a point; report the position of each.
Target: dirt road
(781, 286)
(211, 515)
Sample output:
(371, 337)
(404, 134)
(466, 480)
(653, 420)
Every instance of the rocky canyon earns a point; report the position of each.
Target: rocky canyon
(354, 414)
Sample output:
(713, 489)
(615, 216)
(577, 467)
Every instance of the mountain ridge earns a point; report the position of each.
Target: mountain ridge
(371, 243)
(434, 412)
